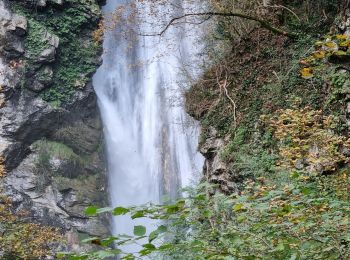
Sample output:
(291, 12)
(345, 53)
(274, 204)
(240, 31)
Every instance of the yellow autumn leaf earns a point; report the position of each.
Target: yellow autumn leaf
(344, 43)
(341, 36)
(306, 73)
(319, 54)
(331, 45)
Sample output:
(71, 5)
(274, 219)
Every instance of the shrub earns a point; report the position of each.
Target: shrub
(289, 220)
(307, 140)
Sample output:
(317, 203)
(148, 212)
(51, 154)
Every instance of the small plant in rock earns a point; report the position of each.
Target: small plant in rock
(97, 35)
(2, 167)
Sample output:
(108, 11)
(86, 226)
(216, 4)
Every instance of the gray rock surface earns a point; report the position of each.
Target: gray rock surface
(215, 170)
(55, 187)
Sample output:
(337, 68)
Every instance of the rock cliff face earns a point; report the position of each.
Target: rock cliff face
(50, 130)
(215, 169)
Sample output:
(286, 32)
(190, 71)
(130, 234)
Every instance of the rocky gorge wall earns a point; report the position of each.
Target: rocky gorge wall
(50, 130)
(257, 74)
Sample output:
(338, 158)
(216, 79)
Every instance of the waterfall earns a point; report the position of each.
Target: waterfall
(150, 140)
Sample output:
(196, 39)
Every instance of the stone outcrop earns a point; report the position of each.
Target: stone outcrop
(215, 170)
(53, 156)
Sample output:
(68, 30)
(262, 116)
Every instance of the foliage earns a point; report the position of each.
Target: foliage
(280, 213)
(333, 48)
(35, 43)
(21, 240)
(249, 158)
(267, 221)
(307, 140)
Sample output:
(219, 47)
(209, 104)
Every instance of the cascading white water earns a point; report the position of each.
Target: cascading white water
(151, 142)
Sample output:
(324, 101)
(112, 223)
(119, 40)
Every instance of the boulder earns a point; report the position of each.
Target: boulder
(51, 39)
(18, 25)
(41, 3)
(57, 2)
(13, 47)
(36, 86)
(47, 55)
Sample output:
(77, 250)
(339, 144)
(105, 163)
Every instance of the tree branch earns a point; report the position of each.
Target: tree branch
(263, 23)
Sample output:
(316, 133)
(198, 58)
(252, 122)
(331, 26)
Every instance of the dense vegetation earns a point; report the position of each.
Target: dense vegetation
(77, 55)
(280, 105)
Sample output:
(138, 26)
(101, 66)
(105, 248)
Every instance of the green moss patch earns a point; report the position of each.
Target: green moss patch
(77, 54)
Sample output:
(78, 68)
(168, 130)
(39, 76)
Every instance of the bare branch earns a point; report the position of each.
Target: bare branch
(263, 23)
(286, 8)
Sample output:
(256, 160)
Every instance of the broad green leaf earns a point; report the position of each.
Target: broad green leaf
(138, 214)
(91, 211)
(149, 246)
(120, 211)
(128, 257)
(154, 234)
(280, 247)
(145, 251)
(108, 241)
(165, 246)
(139, 230)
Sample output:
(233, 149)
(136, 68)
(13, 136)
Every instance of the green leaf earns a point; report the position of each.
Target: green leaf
(240, 219)
(280, 247)
(294, 256)
(170, 209)
(154, 234)
(120, 211)
(165, 246)
(91, 211)
(162, 229)
(145, 251)
(108, 241)
(149, 246)
(138, 214)
(238, 207)
(128, 257)
(201, 197)
(305, 190)
(139, 230)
